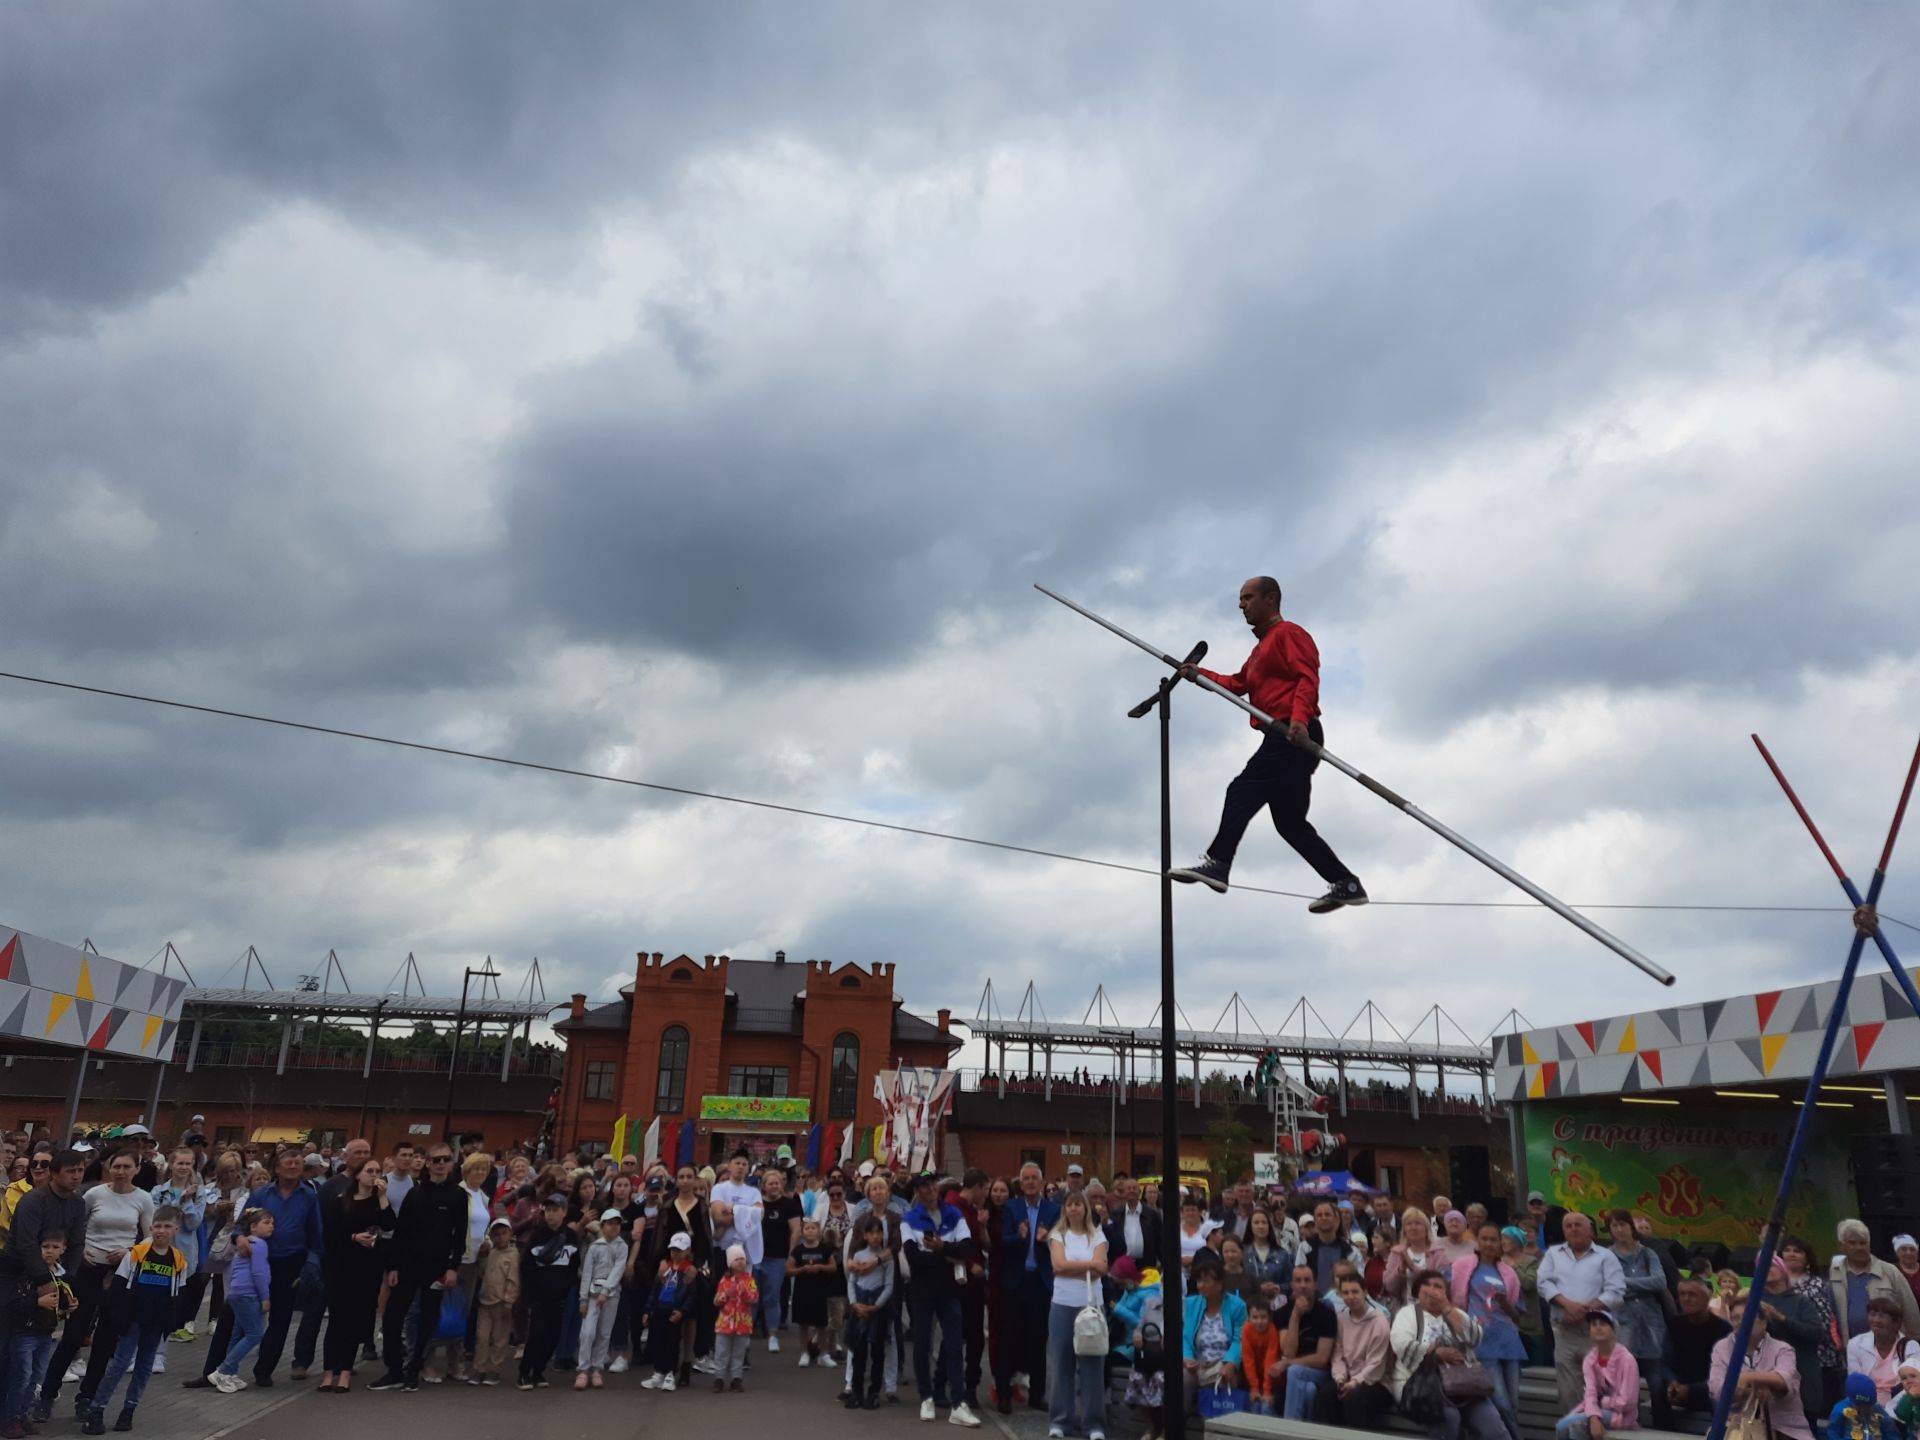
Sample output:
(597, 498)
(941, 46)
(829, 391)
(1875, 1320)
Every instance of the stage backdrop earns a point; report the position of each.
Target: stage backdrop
(54, 993)
(1698, 1175)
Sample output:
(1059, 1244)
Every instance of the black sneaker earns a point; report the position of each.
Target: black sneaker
(1348, 892)
(410, 1385)
(96, 1422)
(125, 1422)
(1205, 871)
(388, 1381)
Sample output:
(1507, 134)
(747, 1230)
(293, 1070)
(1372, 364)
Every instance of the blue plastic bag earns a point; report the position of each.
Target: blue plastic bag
(453, 1316)
(1218, 1400)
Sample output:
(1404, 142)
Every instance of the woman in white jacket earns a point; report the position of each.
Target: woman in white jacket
(1434, 1328)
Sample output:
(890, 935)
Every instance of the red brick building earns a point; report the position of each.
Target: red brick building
(687, 1035)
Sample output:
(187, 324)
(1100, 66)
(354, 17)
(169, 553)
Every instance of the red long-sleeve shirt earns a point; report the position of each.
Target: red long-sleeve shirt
(1281, 676)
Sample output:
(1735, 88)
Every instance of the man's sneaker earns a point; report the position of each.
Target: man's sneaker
(927, 1412)
(184, 1335)
(652, 1382)
(125, 1422)
(1346, 892)
(388, 1381)
(489, 1380)
(667, 1382)
(805, 1361)
(773, 1344)
(523, 1383)
(962, 1415)
(706, 1366)
(159, 1362)
(410, 1385)
(1205, 871)
(619, 1365)
(95, 1423)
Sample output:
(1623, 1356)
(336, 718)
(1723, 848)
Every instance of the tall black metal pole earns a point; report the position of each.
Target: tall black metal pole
(453, 1064)
(1174, 1399)
(1174, 1373)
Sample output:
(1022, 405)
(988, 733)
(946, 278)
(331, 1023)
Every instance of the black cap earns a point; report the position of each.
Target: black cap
(196, 1138)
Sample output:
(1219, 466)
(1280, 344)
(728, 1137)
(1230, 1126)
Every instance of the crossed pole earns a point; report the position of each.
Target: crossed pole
(1866, 926)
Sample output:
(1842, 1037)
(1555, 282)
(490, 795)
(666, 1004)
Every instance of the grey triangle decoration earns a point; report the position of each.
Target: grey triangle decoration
(1751, 1049)
(1790, 1017)
(1701, 1074)
(1630, 1082)
(1846, 1056)
(1569, 1080)
(15, 1022)
(1567, 1052)
(124, 976)
(1895, 1002)
(1713, 1010)
(1671, 1019)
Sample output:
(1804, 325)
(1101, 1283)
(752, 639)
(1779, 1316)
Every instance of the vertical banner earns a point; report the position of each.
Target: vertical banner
(650, 1146)
(619, 1147)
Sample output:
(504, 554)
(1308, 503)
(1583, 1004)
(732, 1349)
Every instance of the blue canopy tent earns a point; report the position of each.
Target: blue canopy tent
(1331, 1182)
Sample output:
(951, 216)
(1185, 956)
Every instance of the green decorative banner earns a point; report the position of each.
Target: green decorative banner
(1698, 1173)
(755, 1107)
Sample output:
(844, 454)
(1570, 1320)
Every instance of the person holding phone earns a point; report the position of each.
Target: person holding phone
(353, 1269)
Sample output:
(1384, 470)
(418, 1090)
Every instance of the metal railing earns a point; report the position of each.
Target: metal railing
(256, 1056)
(1370, 1097)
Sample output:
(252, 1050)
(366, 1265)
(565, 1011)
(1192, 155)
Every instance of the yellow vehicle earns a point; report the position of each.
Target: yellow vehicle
(1198, 1180)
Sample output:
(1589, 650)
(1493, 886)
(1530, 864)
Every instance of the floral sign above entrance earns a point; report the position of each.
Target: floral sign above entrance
(782, 1108)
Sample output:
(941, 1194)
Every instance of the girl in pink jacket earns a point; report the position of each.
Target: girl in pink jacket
(1612, 1400)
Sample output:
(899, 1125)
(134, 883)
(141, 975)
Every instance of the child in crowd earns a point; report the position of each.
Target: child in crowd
(814, 1268)
(1259, 1348)
(248, 1285)
(1612, 1400)
(600, 1272)
(547, 1272)
(667, 1307)
(1858, 1416)
(34, 1313)
(869, 1302)
(498, 1293)
(1142, 1313)
(141, 1297)
(734, 1303)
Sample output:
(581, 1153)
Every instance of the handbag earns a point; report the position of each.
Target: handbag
(453, 1315)
(1090, 1325)
(1422, 1399)
(1150, 1355)
(1464, 1381)
(1750, 1421)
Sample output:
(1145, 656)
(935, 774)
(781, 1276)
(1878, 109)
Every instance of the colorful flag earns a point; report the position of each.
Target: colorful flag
(619, 1138)
(846, 1146)
(813, 1146)
(686, 1144)
(670, 1141)
(650, 1146)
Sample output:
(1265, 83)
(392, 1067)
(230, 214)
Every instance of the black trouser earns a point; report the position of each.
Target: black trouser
(543, 1329)
(1366, 1407)
(1279, 778)
(412, 1285)
(283, 1275)
(973, 1324)
(1025, 1306)
(313, 1303)
(353, 1289)
(89, 1280)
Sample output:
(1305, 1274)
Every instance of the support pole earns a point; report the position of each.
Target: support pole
(1517, 1140)
(73, 1097)
(506, 1052)
(286, 1039)
(1413, 1090)
(152, 1120)
(1899, 1118)
(1504, 871)
(193, 1044)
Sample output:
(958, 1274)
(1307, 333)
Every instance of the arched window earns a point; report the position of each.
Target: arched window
(670, 1090)
(843, 1093)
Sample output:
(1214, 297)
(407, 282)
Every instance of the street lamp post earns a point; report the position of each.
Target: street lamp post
(453, 1065)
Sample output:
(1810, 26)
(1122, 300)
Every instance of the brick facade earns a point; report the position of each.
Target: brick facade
(789, 1015)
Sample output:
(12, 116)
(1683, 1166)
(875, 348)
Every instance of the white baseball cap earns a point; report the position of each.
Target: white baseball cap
(682, 1241)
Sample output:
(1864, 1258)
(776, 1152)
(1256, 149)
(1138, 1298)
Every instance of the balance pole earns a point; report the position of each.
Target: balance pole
(1399, 802)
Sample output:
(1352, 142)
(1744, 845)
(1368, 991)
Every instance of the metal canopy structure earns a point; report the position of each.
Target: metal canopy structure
(1369, 1042)
(253, 1004)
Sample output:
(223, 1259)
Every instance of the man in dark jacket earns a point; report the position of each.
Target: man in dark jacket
(1132, 1228)
(1026, 1267)
(53, 1209)
(429, 1239)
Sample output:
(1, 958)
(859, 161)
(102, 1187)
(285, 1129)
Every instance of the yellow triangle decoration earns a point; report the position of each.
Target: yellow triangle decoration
(1627, 1041)
(1537, 1085)
(85, 988)
(61, 1004)
(1770, 1048)
(1527, 1052)
(153, 1028)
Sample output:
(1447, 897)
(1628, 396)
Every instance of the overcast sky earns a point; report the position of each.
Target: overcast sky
(695, 393)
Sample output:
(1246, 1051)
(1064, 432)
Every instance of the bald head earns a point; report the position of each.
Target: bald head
(1260, 601)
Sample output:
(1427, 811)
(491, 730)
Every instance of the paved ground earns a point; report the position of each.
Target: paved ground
(782, 1402)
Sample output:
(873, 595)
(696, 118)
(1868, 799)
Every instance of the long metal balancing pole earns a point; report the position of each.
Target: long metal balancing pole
(1399, 802)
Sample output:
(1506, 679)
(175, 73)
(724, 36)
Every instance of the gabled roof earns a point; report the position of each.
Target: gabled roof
(908, 1026)
(611, 1016)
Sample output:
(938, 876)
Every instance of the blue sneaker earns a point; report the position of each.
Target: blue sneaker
(1205, 871)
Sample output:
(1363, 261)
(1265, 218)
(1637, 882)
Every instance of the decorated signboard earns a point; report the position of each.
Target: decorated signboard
(61, 996)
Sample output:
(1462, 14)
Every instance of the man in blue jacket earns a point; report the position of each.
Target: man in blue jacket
(295, 1247)
(1026, 1291)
